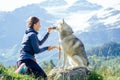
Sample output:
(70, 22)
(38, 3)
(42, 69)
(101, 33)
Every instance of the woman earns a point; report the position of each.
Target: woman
(30, 47)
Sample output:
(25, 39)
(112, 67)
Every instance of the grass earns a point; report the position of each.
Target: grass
(108, 68)
(104, 69)
(8, 74)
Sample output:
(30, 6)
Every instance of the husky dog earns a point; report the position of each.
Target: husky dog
(72, 47)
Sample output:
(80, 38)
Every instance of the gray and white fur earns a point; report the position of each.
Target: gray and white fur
(72, 47)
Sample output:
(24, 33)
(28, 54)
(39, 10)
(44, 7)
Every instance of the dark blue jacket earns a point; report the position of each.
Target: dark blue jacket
(30, 44)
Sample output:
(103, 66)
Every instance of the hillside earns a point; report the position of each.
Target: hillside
(103, 69)
(108, 49)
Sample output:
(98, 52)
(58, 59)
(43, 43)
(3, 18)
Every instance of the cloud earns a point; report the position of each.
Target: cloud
(10, 5)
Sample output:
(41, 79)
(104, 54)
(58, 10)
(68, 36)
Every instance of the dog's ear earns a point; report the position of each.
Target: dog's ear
(63, 21)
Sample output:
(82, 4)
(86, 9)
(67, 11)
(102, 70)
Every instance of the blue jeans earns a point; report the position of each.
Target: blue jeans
(33, 68)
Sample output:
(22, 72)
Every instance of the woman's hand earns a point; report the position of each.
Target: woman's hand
(50, 48)
(54, 47)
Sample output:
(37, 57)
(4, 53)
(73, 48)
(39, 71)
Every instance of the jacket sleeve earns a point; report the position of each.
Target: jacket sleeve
(44, 39)
(35, 44)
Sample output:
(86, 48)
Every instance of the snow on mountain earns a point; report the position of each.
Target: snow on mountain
(103, 27)
(52, 3)
(109, 18)
(107, 3)
(83, 5)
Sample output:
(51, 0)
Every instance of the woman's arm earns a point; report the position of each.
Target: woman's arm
(46, 36)
(35, 45)
(44, 39)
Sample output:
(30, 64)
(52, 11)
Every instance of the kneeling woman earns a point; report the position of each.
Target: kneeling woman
(30, 47)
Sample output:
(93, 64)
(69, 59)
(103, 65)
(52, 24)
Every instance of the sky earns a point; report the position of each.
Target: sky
(10, 5)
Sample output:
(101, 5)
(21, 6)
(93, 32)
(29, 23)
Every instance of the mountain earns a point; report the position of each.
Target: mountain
(13, 24)
(108, 49)
(52, 3)
(103, 27)
(106, 18)
(83, 5)
(96, 38)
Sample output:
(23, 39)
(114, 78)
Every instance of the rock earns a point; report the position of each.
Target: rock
(79, 73)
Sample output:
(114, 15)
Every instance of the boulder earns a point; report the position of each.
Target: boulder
(79, 73)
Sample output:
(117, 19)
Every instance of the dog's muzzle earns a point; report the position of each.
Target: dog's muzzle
(54, 27)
